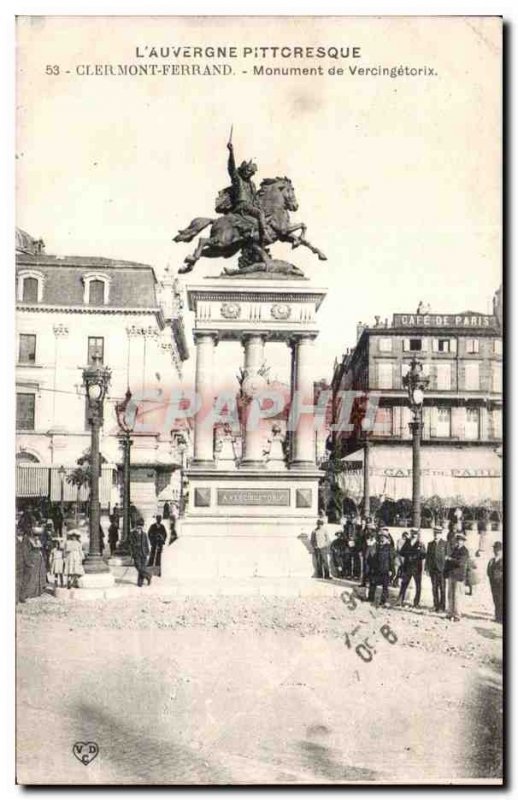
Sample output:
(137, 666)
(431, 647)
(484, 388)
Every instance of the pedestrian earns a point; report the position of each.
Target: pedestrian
(167, 510)
(434, 566)
(472, 576)
(405, 536)
(46, 541)
(57, 517)
(320, 544)
(157, 536)
(116, 515)
(73, 566)
(369, 550)
(101, 538)
(34, 566)
(26, 521)
(455, 573)
(113, 534)
(495, 573)
(338, 554)
(412, 553)
(133, 515)
(381, 567)
(57, 561)
(139, 546)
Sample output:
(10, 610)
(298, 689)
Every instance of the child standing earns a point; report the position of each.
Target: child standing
(57, 560)
(73, 559)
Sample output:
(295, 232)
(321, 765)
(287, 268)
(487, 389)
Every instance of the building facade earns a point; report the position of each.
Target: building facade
(74, 310)
(462, 413)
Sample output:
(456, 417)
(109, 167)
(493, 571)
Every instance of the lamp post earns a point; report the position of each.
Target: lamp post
(96, 379)
(181, 446)
(126, 414)
(415, 383)
(366, 475)
(62, 472)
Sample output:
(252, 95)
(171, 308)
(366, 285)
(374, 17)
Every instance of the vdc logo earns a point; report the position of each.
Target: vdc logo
(85, 752)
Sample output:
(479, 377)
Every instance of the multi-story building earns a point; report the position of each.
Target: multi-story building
(70, 311)
(462, 413)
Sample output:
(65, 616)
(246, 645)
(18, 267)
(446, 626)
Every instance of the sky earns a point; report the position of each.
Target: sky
(397, 179)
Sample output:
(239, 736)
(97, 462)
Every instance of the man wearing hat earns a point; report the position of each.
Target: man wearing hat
(139, 545)
(412, 553)
(381, 567)
(434, 565)
(320, 544)
(455, 573)
(495, 573)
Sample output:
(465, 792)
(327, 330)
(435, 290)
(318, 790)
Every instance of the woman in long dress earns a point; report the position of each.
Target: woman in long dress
(34, 577)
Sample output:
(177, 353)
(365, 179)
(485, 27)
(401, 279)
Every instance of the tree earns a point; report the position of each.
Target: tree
(435, 506)
(79, 477)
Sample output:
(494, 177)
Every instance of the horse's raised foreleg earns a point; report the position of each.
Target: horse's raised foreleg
(190, 261)
(296, 241)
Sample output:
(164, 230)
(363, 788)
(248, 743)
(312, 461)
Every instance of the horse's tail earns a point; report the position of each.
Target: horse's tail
(195, 227)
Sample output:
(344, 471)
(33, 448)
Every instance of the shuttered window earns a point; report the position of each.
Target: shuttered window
(385, 375)
(25, 407)
(472, 425)
(27, 349)
(443, 377)
(472, 375)
(30, 290)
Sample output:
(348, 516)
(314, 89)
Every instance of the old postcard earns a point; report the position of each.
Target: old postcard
(259, 318)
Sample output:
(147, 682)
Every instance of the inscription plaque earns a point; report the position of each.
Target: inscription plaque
(253, 497)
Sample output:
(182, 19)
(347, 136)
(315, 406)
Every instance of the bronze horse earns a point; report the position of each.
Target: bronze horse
(232, 232)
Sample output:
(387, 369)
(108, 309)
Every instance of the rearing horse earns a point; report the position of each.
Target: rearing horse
(233, 232)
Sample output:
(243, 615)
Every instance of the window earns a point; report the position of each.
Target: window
(384, 375)
(443, 422)
(97, 289)
(472, 375)
(497, 347)
(471, 430)
(497, 378)
(30, 290)
(443, 346)
(27, 350)
(415, 345)
(97, 293)
(30, 286)
(496, 423)
(383, 423)
(443, 377)
(25, 404)
(95, 350)
(472, 346)
(385, 344)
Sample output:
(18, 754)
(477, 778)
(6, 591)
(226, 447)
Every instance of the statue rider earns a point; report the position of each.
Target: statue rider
(244, 193)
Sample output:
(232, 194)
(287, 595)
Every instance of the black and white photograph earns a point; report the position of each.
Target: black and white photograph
(259, 310)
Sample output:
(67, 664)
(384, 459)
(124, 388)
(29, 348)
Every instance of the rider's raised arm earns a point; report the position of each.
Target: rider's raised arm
(232, 170)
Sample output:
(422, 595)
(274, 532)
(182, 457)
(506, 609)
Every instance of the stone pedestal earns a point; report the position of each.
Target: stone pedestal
(255, 519)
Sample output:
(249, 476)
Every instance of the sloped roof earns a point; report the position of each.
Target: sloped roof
(132, 285)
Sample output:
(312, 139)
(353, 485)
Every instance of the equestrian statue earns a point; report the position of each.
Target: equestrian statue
(251, 220)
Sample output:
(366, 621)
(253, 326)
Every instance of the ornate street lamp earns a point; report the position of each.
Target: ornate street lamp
(96, 379)
(415, 382)
(126, 415)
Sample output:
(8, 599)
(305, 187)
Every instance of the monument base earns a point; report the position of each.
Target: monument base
(246, 524)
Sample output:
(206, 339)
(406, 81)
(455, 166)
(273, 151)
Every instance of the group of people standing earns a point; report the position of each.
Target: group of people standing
(46, 555)
(367, 552)
(41, 551)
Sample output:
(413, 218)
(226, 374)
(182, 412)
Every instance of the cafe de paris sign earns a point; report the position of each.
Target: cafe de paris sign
(444, 321)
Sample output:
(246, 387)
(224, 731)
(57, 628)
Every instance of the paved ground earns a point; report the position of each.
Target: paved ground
(257, 689)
